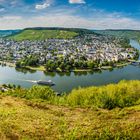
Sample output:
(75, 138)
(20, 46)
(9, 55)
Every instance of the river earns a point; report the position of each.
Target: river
(68, 81)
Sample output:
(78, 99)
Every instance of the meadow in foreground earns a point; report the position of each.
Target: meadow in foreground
(107, 112)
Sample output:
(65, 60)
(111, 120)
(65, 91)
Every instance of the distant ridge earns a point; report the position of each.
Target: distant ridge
(4, 33)
(78, 30)
(126, 33)
(121, 30)
(116, 30)
(56, 28)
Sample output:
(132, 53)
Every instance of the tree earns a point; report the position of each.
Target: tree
(18, 64)
(91, 65)
(51, 66)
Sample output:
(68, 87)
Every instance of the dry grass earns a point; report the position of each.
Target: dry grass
(22, 119)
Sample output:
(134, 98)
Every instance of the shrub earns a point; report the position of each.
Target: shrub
(123, 94)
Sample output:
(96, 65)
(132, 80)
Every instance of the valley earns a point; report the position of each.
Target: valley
(65, 50)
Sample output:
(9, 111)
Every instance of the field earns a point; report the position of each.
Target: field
(33, 34)
(106, 112)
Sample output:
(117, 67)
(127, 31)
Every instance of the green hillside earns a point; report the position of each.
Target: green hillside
(109, 112)
(43, 34)
(131, 34)
(48, 33)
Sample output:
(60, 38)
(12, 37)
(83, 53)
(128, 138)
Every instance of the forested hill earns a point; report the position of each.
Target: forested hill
(131, 34)
(39, 33)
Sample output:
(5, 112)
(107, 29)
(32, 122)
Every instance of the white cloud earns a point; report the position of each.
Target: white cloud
(12, 3)
(46, 4)
(100, 20)
(15, 2)
(43, 6)
(77, 1)
(11, 18)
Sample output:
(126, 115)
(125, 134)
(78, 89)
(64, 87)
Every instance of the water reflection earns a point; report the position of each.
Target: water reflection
(52, 74)
(25, 70)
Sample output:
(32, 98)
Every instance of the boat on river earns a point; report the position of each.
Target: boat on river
(135, 63)
(47, 83)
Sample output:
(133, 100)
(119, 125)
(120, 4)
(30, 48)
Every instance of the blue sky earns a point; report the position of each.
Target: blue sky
(91, 14)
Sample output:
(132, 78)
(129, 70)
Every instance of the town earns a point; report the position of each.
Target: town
(88, 51)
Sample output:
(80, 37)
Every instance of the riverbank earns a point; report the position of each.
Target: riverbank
(125, 64)
(39, 68)
(42, 68)
(5, 63)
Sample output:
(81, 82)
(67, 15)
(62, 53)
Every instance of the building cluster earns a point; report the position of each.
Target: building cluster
(89, 47)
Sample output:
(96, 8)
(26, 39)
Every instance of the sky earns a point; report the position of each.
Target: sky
(90, 14)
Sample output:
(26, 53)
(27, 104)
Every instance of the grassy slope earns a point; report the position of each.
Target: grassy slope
(84, 114)
(22, 119)
(32, 34)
